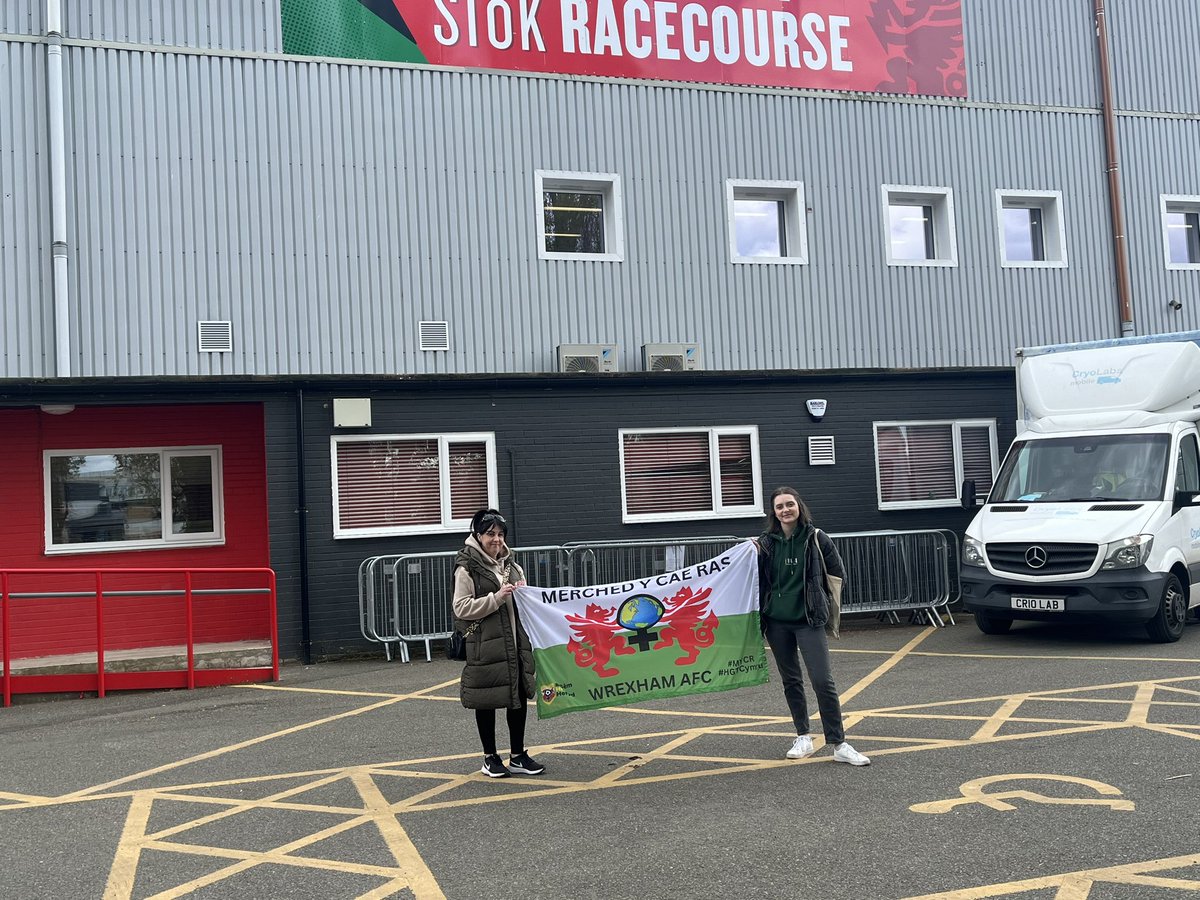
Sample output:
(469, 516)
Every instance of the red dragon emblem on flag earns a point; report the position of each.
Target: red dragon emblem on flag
(684, 620)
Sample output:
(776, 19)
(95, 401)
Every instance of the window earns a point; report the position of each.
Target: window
(683, 474)
(132, 499)
(766, 222)
(1181, 231)
(579, 216)
(410, 483)
(1030, 229)
(921, 464)
(920, 226)
(1187, 466)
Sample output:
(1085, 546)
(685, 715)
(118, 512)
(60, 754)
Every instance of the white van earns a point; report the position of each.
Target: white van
(1095, 512)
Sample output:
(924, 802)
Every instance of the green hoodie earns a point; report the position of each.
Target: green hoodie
(786, 601)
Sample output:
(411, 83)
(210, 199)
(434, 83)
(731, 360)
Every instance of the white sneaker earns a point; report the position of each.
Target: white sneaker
(801, 747)
(843, 752)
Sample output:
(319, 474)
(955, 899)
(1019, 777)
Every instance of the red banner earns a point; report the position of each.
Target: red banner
(894, 46)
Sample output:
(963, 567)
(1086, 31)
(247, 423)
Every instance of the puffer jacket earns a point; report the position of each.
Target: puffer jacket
(499, 655)
(816, 601)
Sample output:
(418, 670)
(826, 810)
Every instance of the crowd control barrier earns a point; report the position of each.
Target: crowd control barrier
(406, 598)
(98, 610)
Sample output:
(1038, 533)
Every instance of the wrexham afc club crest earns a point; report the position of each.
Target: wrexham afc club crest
(640, 624)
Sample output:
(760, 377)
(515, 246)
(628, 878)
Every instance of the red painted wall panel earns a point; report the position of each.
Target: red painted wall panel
(41, 627)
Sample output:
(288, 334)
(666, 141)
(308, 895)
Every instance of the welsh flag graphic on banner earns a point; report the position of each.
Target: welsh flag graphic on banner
(691, 631)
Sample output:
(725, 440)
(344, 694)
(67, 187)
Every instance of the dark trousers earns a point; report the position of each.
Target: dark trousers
(485, 721)
(789, 641)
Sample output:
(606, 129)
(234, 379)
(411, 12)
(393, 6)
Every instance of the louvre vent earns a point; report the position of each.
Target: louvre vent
(821, 451)
(216, 337)
(435, 335)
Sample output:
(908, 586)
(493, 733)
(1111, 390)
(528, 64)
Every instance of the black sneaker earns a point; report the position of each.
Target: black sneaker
(493, 767)
(524, 764)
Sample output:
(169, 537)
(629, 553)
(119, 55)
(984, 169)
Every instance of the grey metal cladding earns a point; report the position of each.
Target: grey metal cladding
(26, 338)
(326, 209)
(1156, 44)
(250, 25)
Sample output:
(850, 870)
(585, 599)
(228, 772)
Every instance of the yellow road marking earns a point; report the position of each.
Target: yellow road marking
(995, 721)
(1139, 709)
(973, 792)
(885, 667)
(220, 751)
(1069, 882)
(420, 879)
(123, 873)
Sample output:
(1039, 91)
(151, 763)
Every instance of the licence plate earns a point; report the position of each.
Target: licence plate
(1041, 604)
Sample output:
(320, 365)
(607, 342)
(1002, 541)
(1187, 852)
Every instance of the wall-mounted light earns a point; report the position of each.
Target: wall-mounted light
(57, 409)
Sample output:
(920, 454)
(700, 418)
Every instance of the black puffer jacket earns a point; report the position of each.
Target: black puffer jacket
(816, 601)
(499, 670)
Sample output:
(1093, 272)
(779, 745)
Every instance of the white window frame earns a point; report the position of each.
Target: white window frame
(718, 510)
(958, 425)
(169, 540)
(795, 236)
(945, 237)
(1054, 244)
(605, 183)
(1175, 203)
(444, 439)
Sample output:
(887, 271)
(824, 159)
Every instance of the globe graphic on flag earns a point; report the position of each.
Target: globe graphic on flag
(640, 612)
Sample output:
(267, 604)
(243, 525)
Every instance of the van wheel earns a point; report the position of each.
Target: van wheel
(1167, 625)
(990, 624)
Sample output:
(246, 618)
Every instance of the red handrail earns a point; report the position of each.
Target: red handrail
(98, 682)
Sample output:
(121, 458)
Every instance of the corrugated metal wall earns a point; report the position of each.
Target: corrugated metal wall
(26, 320)
(326, 209)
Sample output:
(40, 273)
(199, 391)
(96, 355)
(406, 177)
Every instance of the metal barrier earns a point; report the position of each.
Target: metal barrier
(406, 597)
(255, 582)
(889, 572)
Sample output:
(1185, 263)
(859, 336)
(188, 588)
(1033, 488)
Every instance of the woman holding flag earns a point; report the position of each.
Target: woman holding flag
(499, 669)
(794, 556)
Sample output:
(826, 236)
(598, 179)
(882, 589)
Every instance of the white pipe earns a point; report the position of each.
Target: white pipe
(58, 188)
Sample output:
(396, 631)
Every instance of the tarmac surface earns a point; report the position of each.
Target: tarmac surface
(1052, 762)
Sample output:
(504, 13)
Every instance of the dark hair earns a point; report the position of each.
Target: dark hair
(483, 520)
(773, 520)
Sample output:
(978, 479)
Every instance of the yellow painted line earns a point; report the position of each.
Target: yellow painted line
(24, 798)
(420, 879)
(123, 873)
(284, 689)
(645, 758)
(1055, 656)
(267, 804)
(386, 890)
(255, 857)
(1159, 881)
(280, 855)
(1179, 690)
(885, 667)
(1139, 709)
(997, 719)
(1070, 881)
(1177, 731)
(239, 805)
(220, 751)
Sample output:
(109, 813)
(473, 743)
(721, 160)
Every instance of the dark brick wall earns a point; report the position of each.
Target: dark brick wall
(559, 471)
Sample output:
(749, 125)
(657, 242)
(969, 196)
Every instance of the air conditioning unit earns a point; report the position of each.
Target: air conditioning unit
(671, 357)
(587, 358)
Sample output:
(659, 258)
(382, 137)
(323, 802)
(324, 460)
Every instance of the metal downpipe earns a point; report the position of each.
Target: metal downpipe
(58, 188)
(1120, 243)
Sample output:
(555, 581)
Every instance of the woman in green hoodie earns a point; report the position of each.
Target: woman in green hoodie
(793, 558)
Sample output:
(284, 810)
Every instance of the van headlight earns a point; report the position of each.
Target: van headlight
(972, 552)
(1128, 553)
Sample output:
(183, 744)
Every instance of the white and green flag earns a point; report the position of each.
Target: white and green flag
(690, 631)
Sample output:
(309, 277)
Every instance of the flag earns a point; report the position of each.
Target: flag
(690, 631)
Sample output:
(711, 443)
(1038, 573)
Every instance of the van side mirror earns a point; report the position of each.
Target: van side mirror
(968, 493)
(1184, 499)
